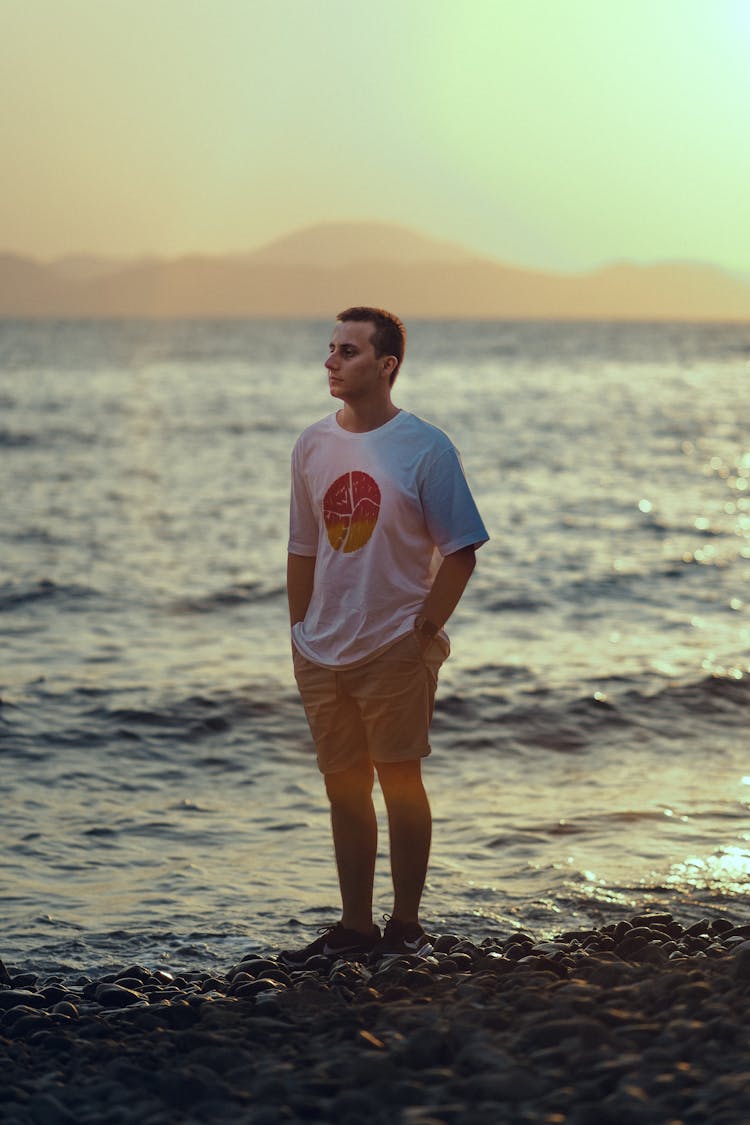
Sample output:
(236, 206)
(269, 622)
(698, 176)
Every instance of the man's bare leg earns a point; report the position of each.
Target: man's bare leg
(355, 839)
(410, 825)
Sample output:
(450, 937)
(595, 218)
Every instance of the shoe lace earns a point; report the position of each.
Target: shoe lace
(329, 929)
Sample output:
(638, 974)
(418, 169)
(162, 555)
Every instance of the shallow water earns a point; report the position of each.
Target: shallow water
(158, 790)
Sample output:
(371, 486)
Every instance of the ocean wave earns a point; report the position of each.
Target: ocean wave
(516, 605)
(583, 824)
(53, 435)
(194, 718)
(552, 720)
(243, 593)
(223, 731)
(640, 584)
(16, 439)
(13, 596)
(706, 698)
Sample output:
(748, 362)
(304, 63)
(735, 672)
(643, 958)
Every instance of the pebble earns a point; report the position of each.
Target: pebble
(637, 1021)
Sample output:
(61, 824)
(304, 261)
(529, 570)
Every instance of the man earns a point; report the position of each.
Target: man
(377, 497)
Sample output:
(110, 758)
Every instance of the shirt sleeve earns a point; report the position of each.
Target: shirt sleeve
(452, 517)
(303, 519)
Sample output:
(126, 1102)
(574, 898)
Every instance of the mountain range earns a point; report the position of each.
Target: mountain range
(316, 271)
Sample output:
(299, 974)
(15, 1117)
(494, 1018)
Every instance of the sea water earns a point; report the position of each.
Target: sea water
(160, 800)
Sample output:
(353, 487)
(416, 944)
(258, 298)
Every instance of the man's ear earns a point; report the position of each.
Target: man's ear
(390, 363)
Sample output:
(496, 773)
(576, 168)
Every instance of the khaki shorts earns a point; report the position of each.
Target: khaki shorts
(379, 711)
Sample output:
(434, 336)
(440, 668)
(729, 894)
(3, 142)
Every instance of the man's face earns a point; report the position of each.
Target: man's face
(354, 371)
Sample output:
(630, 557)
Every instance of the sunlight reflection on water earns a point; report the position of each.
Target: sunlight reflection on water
(726, 870)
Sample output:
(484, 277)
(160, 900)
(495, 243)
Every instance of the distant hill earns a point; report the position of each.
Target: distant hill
(317, 271)
(83, 267)
(336, 245)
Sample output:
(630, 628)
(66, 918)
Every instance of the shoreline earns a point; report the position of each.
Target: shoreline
(639, 1021)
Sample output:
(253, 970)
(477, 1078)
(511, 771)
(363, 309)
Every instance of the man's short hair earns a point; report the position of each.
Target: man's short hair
(389, 333)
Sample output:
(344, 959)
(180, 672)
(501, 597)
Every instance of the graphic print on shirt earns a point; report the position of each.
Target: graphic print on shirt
(350, 509)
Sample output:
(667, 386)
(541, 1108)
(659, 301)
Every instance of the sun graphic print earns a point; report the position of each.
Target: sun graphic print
(350, 509)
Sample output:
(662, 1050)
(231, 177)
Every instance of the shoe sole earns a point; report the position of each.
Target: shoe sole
(423, 950)
(329, 954)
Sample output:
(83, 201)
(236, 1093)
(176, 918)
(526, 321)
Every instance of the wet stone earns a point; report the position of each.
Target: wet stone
(740, 962)
(47, 1110)
(469, 948)
(543, 965)
(252, 988)
(115, 996)
(24, 980)
(66, 1008)
(257, 966)
(135, 973)
(514, 951)
(318, 964)
(653, 919)
(13, 997)
(161, 976)
(445, 943)
(213, 984)
(54, 993)
(134, 984)
(27, 1024)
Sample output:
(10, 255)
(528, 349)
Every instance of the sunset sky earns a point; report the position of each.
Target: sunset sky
(557, 134)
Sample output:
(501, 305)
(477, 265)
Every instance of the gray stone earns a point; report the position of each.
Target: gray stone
(427, 1047)
(54, 993)
(740, 962)
(543, 965)
(134, 984)
(162, 976)
(135, 972)
(553, 1032)
(479, 1056)
(13, 997)
(24, 980)
(258, 966)
(27, 1024)
(652, 919)
(66, 1008)
(445, 943)
(115, 996)
(47, 1110)
(514, 1085)
(252, 988)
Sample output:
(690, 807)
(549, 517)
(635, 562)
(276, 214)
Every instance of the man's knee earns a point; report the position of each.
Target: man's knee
(400, 779)
(350, 784)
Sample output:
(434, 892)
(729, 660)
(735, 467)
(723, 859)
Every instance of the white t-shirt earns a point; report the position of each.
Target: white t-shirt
(373, 508)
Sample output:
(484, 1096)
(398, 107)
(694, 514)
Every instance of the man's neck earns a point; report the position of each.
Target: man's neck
(360, 418)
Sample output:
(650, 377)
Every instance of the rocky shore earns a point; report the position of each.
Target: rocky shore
(642, 1021)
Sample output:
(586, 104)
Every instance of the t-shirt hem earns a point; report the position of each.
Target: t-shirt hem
(441, 636)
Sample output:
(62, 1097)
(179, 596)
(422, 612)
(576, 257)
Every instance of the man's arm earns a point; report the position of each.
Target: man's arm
(450, 582)
(300, 571)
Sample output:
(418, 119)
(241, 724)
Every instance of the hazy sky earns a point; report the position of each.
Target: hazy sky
(552, 133)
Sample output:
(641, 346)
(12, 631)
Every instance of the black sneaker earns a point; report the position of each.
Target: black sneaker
(334, 941)
(402, 939)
